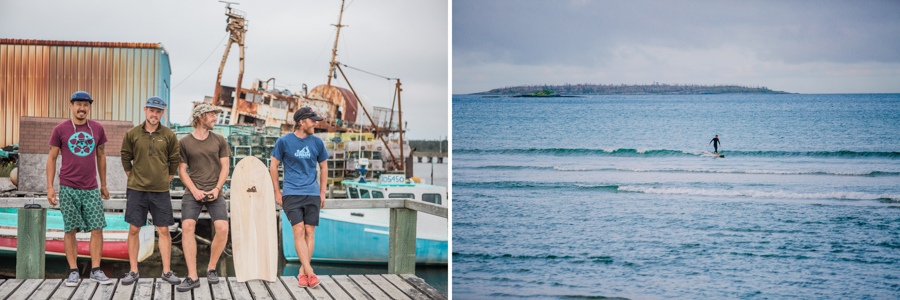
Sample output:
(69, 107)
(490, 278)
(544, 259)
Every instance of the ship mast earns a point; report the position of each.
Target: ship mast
(334, 51)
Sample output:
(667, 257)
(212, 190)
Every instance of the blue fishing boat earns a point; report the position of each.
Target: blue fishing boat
(360, 236)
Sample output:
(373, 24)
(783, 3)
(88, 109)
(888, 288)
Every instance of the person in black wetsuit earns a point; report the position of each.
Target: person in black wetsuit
(715, 143)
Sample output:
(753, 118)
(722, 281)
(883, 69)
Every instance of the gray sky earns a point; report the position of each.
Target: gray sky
(793, 46)
(288, 40)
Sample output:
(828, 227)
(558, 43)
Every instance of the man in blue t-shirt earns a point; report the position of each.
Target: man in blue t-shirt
(303, 194)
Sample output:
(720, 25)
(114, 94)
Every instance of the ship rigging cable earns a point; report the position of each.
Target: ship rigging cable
(201, 64)
(370, 73)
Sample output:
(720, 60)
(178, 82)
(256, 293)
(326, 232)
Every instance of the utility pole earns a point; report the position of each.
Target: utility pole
(334, 51)
(237, 27)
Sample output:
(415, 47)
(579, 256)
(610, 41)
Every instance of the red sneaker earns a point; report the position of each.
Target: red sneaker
(313, 281)
(303, 281)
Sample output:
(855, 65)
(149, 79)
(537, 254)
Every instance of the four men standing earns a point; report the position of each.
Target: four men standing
(151, 154)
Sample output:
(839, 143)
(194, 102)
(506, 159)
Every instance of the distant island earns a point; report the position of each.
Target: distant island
(624, 89)
(542, 93)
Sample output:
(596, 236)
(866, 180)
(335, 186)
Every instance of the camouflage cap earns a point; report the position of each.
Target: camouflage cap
(202, 109)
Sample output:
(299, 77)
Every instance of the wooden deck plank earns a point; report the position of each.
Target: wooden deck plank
(188, 295)
(105, 291)
(64, 292)
(404, 286)
(333, 288)
(9, 286)
(162, 290)
(277, 289)
(26, 289)
(370, 288)
(46, 289)
(85, 289)
(203, 292)
(258, 290)
(239, 290)
(143, 289)
(387, 287)
(220, 290)
(318, 292)
(123, 292)
(290, 283)
(350, 287)
(420, 284)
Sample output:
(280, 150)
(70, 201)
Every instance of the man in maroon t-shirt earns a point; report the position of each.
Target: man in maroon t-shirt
(81, 142)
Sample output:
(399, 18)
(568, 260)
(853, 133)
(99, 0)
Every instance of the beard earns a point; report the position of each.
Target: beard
(208, 125)
(80, 118)
(310, 130)
(152, 121)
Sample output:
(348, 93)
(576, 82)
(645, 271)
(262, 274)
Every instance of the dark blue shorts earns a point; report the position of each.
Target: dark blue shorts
(159, 204)
(302, 209)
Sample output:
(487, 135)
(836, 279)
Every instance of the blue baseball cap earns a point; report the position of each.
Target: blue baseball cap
(81, 96)
(156, 102)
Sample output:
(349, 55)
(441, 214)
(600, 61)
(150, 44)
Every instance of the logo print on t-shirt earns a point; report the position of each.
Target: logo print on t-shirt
(81, 143)
(302, 153)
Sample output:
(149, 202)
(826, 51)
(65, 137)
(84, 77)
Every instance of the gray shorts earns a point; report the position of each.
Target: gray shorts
(302, 209)
(138, 203)
(190, 208)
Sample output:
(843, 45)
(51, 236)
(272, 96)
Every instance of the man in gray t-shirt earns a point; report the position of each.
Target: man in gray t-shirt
(206, 154)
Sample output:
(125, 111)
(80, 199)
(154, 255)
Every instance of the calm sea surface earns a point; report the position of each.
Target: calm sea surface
(618, 196)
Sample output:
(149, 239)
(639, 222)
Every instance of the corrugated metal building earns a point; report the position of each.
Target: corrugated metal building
(37, 78)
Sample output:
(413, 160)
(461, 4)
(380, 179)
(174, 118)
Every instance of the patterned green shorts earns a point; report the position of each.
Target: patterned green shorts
(81, 209)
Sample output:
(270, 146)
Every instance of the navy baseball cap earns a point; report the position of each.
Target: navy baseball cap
(156, 102)
(81, 96)
(306, 112)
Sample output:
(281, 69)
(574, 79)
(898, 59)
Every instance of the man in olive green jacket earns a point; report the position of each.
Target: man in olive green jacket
(150, 156)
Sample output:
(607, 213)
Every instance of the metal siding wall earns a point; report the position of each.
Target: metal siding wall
(38, 79)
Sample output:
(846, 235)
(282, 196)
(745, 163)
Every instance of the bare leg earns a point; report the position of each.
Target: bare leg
(189, 245)
(310, 242)
(134, 244)
(218, 243)
(71, 246)
(302, 248)
(165, 247)
(96, 247)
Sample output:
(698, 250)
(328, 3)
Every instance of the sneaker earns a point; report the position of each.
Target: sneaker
(187, 285)
(73, 279)
(130, 278)
(100, 277)
(212, 276)
(171, 278)
(313, 281)
(302, 281)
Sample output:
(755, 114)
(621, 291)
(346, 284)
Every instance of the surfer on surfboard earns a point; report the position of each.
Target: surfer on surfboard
(715, 143)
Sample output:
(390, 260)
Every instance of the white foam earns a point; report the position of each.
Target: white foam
(758, 193)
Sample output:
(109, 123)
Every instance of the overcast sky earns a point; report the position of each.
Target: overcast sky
(287, 40)
(793, 46)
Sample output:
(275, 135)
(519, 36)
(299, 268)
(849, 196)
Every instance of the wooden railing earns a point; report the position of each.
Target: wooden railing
(32, 229)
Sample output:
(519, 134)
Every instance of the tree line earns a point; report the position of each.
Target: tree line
(608, 89)
(429, 146)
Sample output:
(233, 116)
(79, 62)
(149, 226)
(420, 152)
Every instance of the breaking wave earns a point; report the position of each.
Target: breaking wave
(666, 152)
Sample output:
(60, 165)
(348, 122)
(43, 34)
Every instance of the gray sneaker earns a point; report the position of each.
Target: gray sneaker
(130, 278)
(171, 278)
(187, 285)
(212, 276)
(100, 277)
(73, 279)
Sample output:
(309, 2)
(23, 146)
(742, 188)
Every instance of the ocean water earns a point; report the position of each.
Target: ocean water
(618, 196)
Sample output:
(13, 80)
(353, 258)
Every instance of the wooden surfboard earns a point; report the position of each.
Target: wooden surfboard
(719, 155)
(254, 236)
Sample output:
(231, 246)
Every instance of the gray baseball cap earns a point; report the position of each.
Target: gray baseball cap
(156, 102)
